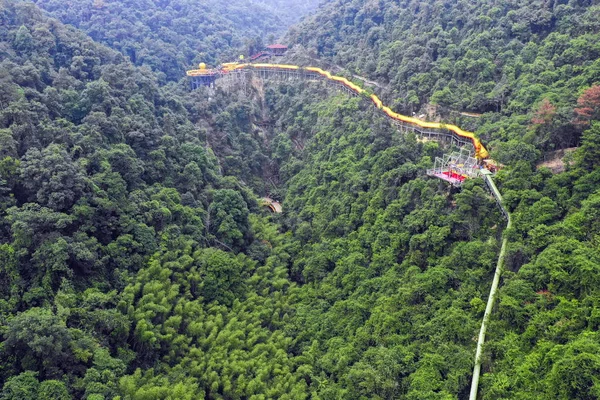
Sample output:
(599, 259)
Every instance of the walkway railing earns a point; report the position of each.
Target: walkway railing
(240, 75)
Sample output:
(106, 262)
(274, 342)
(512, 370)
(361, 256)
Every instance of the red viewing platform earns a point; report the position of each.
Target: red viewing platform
(455, 168)
(450, 176)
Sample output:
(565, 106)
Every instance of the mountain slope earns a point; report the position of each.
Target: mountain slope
(135, 262)
(102, 174)
(290, 11)
(169, 36)
(499, 57)
(172, 36)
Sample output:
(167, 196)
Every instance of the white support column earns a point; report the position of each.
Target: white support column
(493, 291)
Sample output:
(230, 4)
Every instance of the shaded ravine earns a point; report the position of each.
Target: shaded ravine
(234, 71)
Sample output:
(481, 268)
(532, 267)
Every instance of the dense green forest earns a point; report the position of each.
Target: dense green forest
(169, 36)
(290, 12)
(136, 263)
(500, 58)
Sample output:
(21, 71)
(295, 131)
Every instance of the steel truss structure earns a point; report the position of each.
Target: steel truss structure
(455, 167)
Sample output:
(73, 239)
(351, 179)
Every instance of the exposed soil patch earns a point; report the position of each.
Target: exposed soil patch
(555, 160)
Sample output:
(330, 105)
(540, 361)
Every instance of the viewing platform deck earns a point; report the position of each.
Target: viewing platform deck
(456, 167)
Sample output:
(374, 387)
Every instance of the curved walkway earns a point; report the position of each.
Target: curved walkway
(285, 71)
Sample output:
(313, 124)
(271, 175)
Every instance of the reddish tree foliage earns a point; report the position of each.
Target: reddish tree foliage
(588, 106)
(544, 114)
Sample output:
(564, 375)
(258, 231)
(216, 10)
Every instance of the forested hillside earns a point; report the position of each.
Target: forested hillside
(290, 11)
(135, 262)
(102, 172)
(170, 36)
(533, 69)
(508, 59)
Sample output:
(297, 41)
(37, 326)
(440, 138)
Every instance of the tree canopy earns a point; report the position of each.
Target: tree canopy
(136, 263)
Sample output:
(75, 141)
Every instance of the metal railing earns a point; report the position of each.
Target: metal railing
(403, 127)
